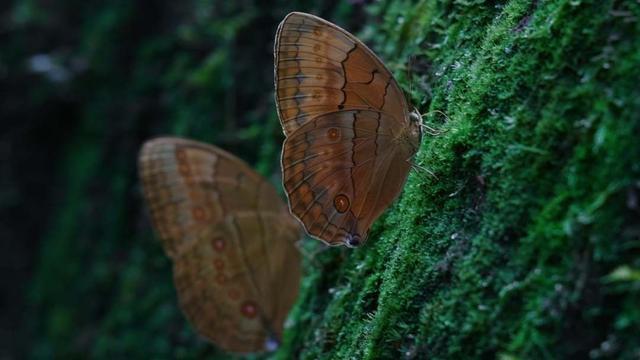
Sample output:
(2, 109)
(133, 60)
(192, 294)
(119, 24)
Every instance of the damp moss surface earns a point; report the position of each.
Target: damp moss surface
(525, 243)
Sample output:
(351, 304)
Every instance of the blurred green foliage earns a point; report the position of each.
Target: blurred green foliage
(527, 245)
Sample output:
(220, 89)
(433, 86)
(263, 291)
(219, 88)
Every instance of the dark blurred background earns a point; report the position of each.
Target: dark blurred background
(83, 84)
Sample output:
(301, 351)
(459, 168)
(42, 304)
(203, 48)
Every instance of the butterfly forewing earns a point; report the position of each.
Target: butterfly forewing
(321, 68)
(347, 125)
(236, 269)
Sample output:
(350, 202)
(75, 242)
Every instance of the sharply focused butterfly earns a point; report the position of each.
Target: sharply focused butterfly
(231, 240)
(349, 131)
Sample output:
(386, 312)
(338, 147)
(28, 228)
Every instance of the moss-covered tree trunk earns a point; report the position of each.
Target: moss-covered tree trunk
(526, 245)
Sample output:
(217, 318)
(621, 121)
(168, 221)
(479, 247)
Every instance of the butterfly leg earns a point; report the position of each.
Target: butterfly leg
(422, 168)
(428, 129)
(431, 131)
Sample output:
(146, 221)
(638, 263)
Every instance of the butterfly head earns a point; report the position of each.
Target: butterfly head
(415, 117)
(415, 128)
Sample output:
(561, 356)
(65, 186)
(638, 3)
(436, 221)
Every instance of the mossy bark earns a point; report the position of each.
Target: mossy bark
(526, 245)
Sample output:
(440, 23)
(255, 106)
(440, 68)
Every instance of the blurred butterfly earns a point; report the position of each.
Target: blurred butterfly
(231, 240)
(349, 131)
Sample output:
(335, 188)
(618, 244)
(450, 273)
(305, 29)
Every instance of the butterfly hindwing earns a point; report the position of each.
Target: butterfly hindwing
(326, 173)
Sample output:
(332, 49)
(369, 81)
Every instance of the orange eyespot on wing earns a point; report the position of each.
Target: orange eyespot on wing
(341, 203)
(349, 135)
(231, 239)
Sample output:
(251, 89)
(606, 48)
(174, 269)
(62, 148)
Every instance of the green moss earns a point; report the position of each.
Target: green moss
(505, 253)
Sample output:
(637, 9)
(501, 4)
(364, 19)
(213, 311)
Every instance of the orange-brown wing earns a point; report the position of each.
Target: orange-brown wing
(347, 125)
(341, 171)
(321, 68)
(231, 239)
(239, 284)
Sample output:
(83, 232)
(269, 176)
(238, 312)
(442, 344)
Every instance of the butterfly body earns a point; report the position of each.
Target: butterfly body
(349, 130)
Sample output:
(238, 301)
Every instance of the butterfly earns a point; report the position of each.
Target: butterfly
(231, 240)
(349, 131)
